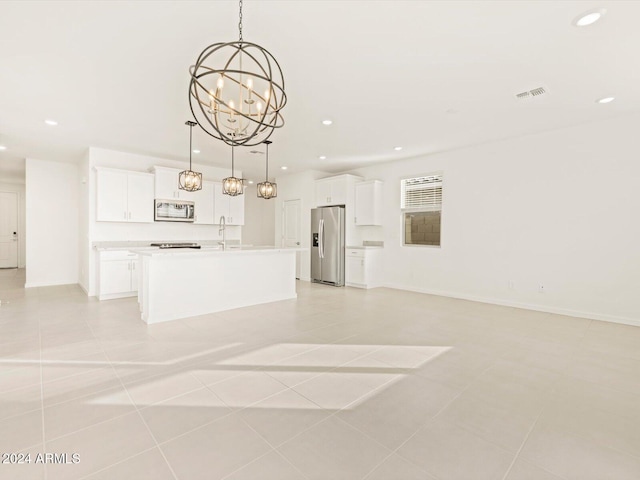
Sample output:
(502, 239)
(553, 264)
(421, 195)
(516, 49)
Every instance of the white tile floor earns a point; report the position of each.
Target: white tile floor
(338, 384)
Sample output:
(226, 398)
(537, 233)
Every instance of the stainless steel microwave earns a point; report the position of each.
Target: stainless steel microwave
(174, 211)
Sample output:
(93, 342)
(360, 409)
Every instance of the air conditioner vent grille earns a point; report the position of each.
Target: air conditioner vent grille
(536, 92)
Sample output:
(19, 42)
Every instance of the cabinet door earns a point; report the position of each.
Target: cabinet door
(204, 204)
(339, 190)
(140, 195)
(135, 266)
(166, 183)
(111, 202)
(323, 192)
(354, 270)
(115, 277)
(236, 210)
(220, 203)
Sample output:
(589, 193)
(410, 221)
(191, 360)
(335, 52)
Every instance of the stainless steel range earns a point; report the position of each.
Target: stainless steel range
(175, 245)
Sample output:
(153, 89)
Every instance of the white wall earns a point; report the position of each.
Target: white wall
(84, 234)
(559, 209)
(293, 187)
(19, 189)
(259, 219)
(51, 204)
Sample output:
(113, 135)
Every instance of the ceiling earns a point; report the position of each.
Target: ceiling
(429, 76)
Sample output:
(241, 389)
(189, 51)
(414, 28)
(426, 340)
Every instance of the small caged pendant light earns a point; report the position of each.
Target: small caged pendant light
(231, 185)
(188, 179)
(267, 189)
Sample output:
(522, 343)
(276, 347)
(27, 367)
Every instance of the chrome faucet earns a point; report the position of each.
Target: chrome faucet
(222, 231)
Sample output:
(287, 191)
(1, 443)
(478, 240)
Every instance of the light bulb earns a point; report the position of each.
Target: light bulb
(220, 82)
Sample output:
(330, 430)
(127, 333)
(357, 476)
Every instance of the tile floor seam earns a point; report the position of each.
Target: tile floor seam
(274, 449)
(433, 418)
(249, 463)
(524, 441)
(595, 441)
(289, 462)
(89, 475)
(44, 438)
(138, 412)
(333, 414)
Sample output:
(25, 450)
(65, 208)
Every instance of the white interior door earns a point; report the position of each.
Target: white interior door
(8, 230)
(291, 235)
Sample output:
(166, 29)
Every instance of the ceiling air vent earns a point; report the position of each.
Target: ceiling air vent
(536, 92)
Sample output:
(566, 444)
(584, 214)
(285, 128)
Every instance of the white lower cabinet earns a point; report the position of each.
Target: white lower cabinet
(362, 267)
(117, 274)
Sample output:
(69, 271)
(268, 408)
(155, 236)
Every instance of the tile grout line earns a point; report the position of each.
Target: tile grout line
(430, 421)
(44, 441)
(119, 462)
(135, 406)
(524, 441)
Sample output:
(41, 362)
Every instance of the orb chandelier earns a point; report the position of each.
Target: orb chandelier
(188, 179)
(267, 189)
(231, 185)
(236, 92)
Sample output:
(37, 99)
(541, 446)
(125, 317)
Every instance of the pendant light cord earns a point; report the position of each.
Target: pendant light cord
(232, 162)
(240, 22)
(190, 145)
(267, 177)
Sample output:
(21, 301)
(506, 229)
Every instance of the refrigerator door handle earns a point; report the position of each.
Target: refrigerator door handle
(321, 238)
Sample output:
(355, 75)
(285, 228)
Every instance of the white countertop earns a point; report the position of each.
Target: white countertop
(210, 250)
(365, 247)
(142, 245)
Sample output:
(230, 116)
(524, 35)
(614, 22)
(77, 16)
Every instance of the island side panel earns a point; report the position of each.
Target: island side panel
(180, 286)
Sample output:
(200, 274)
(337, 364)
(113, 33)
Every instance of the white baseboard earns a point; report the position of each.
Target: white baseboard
(40, 284)
(527, 306)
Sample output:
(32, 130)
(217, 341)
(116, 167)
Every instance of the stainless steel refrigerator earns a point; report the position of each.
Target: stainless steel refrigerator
(327, 245)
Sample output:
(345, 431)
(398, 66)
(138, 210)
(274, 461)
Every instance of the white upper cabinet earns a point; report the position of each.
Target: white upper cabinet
(204, 206)
(369, 203)
(336, 190)
(231, 208)
(124, 196)
(166, 184)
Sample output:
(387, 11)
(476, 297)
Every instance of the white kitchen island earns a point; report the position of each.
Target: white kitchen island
(179, 283)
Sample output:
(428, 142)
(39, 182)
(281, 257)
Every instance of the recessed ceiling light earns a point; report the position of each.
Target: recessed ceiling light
(53, 123)
(2, 147)
(196, 151)
(606, 100)
(322, 157)
(283, 168)
(327, 122)
(397, 149)
(250, 181)
(589, 18)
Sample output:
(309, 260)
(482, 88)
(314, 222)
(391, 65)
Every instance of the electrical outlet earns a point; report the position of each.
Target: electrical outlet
(512, 285)
(541, 288)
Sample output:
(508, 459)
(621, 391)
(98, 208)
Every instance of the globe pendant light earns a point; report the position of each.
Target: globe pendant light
(267, 189)
(236, 92)
(231, 185)
(188, 179)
